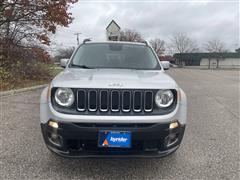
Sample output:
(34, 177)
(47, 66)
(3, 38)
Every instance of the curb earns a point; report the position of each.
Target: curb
(16, 91)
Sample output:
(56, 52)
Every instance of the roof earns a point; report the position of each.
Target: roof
(198, 56)
(114, 23)
(115, 42)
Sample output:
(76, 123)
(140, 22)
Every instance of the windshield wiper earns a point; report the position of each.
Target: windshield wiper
(81, 66)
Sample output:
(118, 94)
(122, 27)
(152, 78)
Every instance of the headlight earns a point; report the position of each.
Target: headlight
(164, 98)
(64, 97)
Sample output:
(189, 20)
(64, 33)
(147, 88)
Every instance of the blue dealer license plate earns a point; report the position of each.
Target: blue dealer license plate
(118, 139)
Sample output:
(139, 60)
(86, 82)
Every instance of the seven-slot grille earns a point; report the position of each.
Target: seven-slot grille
(114, 100)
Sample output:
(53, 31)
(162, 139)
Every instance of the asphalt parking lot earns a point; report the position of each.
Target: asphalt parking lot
(210, 148)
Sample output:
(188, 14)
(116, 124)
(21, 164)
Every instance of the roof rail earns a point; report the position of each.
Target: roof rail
(146, 42)
(86, 40)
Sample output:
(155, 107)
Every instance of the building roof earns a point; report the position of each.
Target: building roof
(113, 23)
(198, 56)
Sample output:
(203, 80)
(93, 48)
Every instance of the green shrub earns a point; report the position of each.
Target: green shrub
(17, 73)
(20, 66)
(4, 78)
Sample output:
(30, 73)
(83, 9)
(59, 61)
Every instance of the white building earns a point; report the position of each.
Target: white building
(113, 31)
(223, 63)
(209, 60)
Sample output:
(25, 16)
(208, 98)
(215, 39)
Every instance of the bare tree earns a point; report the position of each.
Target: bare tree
(130, 35)
(158, 45)
(181, 43)
(64, 53)
(217, 47)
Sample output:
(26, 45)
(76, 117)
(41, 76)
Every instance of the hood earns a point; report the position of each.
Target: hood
(113, 78)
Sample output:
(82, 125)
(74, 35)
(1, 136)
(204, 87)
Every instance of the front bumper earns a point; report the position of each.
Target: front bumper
(72, 139)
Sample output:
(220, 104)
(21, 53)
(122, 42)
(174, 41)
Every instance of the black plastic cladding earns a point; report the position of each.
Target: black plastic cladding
(73, 108)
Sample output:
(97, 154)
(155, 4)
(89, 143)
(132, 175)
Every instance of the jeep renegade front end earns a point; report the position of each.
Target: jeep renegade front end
(113, 99)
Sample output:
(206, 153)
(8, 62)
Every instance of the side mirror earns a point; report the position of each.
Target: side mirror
(63, 62)
(165, 65)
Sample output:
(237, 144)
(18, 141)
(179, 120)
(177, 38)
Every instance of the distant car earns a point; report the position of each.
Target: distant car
(113, 99)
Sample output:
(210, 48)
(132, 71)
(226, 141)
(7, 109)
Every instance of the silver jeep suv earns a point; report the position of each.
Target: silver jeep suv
(113, 99)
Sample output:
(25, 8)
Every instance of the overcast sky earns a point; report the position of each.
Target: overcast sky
(201, 20)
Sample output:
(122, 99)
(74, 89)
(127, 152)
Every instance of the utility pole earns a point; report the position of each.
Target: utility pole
(77, 34)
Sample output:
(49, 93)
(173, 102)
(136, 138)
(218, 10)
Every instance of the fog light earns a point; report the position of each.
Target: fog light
(171, 140)
(55, 139)
(53, 124)
(173, 125)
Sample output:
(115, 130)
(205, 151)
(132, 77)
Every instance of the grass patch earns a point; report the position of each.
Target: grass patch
(56, 71)
(29, 75)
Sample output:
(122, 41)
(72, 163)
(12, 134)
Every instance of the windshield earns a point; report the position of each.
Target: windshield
(112, 55)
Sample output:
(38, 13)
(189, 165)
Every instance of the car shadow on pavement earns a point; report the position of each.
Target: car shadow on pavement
(111, 168)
